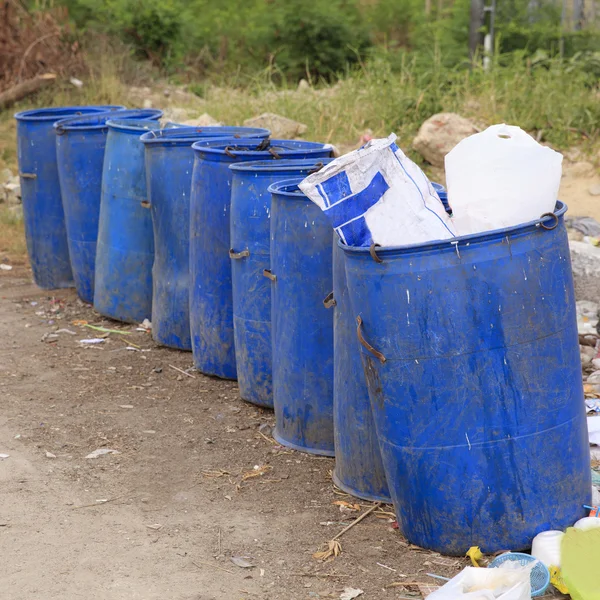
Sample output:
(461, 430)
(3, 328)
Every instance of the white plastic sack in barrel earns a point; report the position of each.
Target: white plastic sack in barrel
(499, 178)
(378, 195)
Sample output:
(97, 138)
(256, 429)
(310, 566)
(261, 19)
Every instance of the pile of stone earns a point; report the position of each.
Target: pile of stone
(10, 191)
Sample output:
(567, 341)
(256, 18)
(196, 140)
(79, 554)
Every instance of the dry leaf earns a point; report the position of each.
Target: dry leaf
(256, 472)
(334, 548)
(240, 561)
(348, 505)
(350, 593)
(79, 322)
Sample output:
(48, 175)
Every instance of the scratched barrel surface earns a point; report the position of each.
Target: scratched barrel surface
(169, 165)
(125, 245)
(250, 256)
(43, 213)
(472, 362)
(80, 144)
(358, 465)
(211, 295)
(302, 327)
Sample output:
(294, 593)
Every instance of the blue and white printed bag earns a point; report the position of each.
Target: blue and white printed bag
(378, 195)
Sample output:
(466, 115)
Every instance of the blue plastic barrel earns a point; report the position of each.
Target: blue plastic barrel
(358, 466)
(43, 213)
(169, 164)
(80, 143)
(302, 327)
(211, 300)
(474, 375)
(250, 256)
(125, 246)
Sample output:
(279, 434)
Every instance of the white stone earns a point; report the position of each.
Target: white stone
(279, 126)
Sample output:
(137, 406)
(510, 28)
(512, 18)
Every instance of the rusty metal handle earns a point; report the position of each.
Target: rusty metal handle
(267, 273)
(329, 301)
(274, 154)
(236, 255)
(366, 344)
(28, 175)
(554, 223)
(374, 254)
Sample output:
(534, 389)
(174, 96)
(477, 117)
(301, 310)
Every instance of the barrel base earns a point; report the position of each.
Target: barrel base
(299, 448)
(258, 403)
(357, 494)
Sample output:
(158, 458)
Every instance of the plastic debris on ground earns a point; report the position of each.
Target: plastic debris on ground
(376, 195)
(508, 582)
(500, 178)
(580, 553)
(593, 424)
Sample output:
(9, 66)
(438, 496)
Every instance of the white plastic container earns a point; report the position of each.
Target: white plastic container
(587, 523)
(499, 178)
(546, 547)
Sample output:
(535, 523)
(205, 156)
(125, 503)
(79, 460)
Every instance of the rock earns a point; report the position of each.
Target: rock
(303, 86)
(5, 176)
(596, 363)
(16, 211)
(147, 103)
(587, 316)
(580, 169)
(12, 193)
(176, 114)
(439, 134)
(587, 351)
(585, 360)
(204, 120)
(594, 377)
(594, 190)
(280, 127)
(585, 261)
(585, 225)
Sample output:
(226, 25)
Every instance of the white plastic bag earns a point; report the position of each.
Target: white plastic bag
(499, 178)
(378, 195)
(474, 583)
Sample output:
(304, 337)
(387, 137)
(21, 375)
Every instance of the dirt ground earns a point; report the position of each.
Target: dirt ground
(162, 518)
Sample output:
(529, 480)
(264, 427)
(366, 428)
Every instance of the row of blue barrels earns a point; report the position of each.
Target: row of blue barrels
(434, 370)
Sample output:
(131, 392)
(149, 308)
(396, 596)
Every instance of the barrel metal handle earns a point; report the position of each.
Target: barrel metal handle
(318, 166)
(267, 273)
(374, 254)
(274, 154)
(28, 175)
(366, 344)
(554, 223)
(229, 152)
(329, 301)
(236, 255)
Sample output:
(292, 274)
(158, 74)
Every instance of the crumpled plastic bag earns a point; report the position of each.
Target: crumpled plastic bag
(378, 195)
(507, 582)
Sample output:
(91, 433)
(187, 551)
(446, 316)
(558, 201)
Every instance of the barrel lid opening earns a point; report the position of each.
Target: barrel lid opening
(253, 148)
(186, 135)
(452, 244)
(288, 188)
(99, 120)
(56, 113)
(133, 125)
(273, 166)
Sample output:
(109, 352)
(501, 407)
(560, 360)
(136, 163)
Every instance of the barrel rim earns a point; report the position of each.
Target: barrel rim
(132, 125)
(268, 166)
(185, 136)
(452, 243)
(280, 188)
(86, 122)
(49, 113)
(278, 145)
